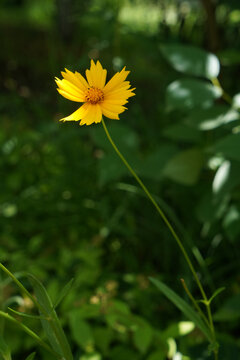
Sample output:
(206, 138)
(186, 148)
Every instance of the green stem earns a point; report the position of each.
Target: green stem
(225, 96)
(194, 302)
(164, 218)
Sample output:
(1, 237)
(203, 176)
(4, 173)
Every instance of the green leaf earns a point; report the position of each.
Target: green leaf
(125, 138)
(212, 118)
(231, 222)
(81, 331)
(183, 306)
(230, 311)
(185, 167)
(38, 317)
(45, 301)
(52, 327)
(153, 164)
(221, 177)
(189, 93)
(182, 132)
(103, 337)
(31, 333)
(142, 336)
(216, 292)
(91, 356)
(157, 355)
(178, 329)
(191, 60)
(229, 56)
(4, 350)
(31, 356)
(229, 147)
(64, 292)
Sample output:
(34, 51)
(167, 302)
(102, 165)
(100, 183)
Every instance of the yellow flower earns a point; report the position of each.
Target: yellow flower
(98, 98)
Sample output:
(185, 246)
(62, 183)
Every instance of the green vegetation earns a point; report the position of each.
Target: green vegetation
(69, 209)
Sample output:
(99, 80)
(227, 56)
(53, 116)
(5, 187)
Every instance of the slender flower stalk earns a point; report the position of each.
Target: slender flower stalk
(176, 237)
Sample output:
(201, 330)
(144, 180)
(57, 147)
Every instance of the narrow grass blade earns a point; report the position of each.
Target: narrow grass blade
(31, 333)
(52, 327)
(31, 356)
(19, 313)
(182, 305)
(64, 292)
(4, 350)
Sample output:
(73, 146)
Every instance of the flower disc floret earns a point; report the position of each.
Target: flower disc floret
(94, 95)
(98, 98)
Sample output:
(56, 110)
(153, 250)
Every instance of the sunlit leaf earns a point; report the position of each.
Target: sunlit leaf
(221, 176)
(191, 60)
(228, 146)
(189, 93)
(212, 118)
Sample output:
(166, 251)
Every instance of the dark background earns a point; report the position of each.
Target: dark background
(68, 208)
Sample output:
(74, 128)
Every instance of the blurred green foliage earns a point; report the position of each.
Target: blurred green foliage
(68, 207)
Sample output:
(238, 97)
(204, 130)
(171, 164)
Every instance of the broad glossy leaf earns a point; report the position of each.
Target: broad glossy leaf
(183, 306)
(221, 177)
(191, 60)
(185, 167)
(231, 222)
(183, 132)
(212, 118)
(190, 93)
(228, 146)
(236, 101)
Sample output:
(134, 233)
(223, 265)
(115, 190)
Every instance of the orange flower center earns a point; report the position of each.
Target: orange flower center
(94, 95)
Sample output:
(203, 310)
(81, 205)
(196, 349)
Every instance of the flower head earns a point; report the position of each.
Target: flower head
(98, 97)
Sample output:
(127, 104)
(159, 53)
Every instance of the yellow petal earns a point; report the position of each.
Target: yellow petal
(68, 96)
(116, 80)
(113, 108)
(102, 76)
(109, 114)
(96, 76)
(92, 115)
(70, 88)
(78, 114)
(77, 79)
(115, 101)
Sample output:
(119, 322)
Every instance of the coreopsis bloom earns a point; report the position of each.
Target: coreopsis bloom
(98, 97)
